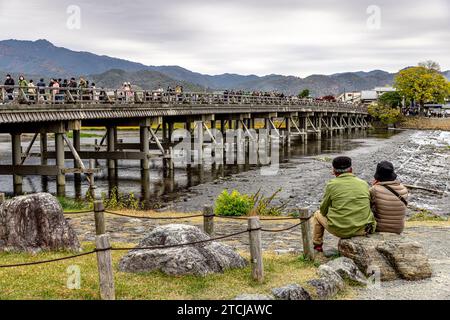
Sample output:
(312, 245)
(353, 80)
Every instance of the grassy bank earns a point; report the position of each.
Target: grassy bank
(49, 281)
(422, 123)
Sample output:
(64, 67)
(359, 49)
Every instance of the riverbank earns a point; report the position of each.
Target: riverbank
(422, 123)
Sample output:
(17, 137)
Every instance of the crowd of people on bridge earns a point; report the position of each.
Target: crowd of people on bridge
(71, 90)
(55, 90)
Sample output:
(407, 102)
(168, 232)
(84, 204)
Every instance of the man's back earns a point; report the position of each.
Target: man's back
(346, 205)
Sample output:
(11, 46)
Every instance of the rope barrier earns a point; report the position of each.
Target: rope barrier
(289, 228)
(154, 247)
(78, 212)
(49, 261)
(261, 219)
(126, 249)
(184, 244)
(153, 218)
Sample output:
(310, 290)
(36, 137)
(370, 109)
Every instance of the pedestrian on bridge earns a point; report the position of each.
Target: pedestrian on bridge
(10, 87)
(23, 90)
(41, 89)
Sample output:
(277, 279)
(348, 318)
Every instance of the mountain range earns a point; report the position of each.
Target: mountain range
(43, 59)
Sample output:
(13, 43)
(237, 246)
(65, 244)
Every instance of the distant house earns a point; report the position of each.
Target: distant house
(370, 96)
(366, 96)
(350, 97)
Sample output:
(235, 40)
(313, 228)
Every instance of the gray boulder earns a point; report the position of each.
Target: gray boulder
(291, 292)
(394, 256)
(346, 269)
(199, 259)
(327, 272)
(253, 297)
(325, 287)
(329, 283)
(34, 223)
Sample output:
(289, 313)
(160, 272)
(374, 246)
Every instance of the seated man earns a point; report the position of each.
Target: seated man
(389, 199)
(345, 210)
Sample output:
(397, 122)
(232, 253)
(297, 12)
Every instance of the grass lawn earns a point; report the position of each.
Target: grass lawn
(48, 281)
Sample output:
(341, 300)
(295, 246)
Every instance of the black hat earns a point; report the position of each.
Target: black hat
(342, 164)
(385, 172)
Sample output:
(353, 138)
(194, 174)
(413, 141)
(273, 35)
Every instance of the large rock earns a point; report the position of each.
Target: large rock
(291, 292)
(345, 268)
(199, 259)
(325, 287)
(394, 256)
(35, 223)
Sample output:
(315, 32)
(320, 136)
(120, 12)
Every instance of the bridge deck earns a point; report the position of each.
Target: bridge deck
(49, 104)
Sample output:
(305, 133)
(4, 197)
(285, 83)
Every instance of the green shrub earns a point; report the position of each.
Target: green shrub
(72, 205)
(426, 215)
(120, 201)
(233, 204)
(264, 207)
(386, 115)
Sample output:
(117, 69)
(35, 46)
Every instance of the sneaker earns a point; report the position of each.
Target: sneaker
(318, 248)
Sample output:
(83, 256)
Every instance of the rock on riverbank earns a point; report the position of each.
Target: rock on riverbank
(35, 223)
(198, 259)
(393, 256)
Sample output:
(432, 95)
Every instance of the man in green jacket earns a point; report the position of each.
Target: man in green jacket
(345, 210)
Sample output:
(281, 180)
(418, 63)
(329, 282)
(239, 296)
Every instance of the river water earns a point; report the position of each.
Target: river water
(159, 187)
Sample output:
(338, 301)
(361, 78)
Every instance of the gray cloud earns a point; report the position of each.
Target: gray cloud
(295, 37)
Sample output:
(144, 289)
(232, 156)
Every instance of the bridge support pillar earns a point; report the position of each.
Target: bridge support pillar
(44, 148)
(111, 147)
(199, 142)
(288, 130)
(77, 145)
(303, 122)
(319, 127)
(60, 178)
(144, 137)
(16, 160)
(170, 133)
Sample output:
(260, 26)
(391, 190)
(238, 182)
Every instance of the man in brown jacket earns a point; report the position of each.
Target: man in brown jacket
(388, 199)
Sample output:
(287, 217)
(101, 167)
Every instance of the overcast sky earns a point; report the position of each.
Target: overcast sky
(290, 37)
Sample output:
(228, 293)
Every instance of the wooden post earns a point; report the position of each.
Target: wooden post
(308, 247)
(2, 198)
(208, 220)
(254, 226)
(99, 213)
(105, 268)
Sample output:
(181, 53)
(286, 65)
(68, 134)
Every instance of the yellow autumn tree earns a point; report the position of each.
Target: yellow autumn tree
(423, 84)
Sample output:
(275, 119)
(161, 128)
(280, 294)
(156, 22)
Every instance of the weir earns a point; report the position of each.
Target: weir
(157, 115)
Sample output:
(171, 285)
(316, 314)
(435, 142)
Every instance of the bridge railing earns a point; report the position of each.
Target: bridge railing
(94, 96)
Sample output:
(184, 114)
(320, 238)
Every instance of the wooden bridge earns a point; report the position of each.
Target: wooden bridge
(60, 111)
